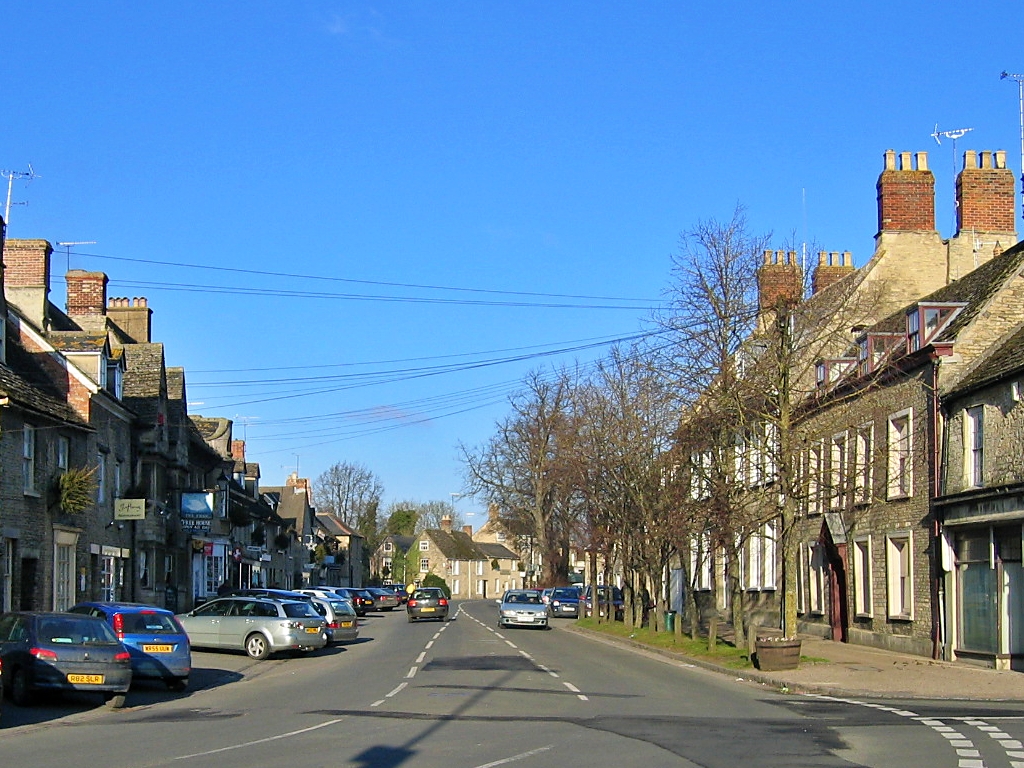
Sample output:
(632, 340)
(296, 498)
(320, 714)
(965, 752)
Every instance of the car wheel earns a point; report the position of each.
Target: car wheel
(256, 646)
(176, 684)
(411, 619)
(114, 700)
(21, 694)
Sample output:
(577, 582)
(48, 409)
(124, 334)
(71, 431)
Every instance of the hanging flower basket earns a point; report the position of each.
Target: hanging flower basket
(776, 654)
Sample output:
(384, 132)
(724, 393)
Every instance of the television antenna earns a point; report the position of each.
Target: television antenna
(11, 176)
(1020, 95)
(68, 245)
(956, 133)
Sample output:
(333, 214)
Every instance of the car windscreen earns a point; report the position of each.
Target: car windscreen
(342, 608)
(148, 624)
(565, 594)
(74, 630)
(299, 611)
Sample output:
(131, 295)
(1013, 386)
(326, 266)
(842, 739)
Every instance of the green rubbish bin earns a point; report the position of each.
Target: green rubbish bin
(670, 621)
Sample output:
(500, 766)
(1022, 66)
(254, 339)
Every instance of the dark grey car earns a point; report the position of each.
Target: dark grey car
(427, 603)
(62, 652)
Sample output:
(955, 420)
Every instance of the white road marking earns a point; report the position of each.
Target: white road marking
(397, 690)
(412, 672)
(514, 758)
(245, 744)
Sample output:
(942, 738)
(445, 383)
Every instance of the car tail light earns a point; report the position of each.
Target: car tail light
(122, 656)
(43, 654)
(333, 625)
(119, 625)
(411, 603)
(442, 601)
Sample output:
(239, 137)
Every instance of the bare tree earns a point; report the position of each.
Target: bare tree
(352, 493)
(525, 471)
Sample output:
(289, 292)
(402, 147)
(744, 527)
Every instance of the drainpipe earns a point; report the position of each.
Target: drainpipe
(938, 448)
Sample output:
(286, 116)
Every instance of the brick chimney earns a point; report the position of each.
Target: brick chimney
(468, 530)
(779, 280)
(906, 195)
(133, 317)
(446, 523)
(985, 193)
(832, 267)
(238, 450)
(27, 278)
(87, 293)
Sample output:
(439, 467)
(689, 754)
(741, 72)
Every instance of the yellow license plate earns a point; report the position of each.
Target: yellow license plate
(157, 648)
(346, 624)
(427, 610)
(312, 630)
(86, 679)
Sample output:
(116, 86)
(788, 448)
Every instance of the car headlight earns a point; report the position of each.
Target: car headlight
(555, 603)
(508, 613)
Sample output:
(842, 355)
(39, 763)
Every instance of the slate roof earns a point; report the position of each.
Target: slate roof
(25, 382)
(78, 341)
(456, 545)
(291, 506)
(496, 551)
(334, 525)
(1004, 362)
(144, 379)
(402, 543)
(211, 429)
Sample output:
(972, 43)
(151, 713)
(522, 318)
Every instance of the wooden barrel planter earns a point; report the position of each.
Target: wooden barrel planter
(775, 654)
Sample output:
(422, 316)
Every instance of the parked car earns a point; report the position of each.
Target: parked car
(342, 622)
(362, 603)
(399, 589)
(545, 595)
(62, 652)
(259, 626)
(383, 599)
(277, 594)
(606, 596)
(158, 644)
(564, 601)
(522, 608)
(427, 603)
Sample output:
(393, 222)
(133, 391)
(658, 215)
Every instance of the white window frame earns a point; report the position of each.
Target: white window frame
(101, 478)
(899, 575)
(456, 587)
(838, 456)
(974, 446)
(28, 459)
(479, 567)
(901, 454)
(456, 568)
(389, 546)
(863, 589)
(701, 569)
(424, 545)
(863, 463)
(814, 467)
(801, 580)
(424, 565)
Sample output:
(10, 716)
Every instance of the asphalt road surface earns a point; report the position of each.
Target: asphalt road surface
(466, 693)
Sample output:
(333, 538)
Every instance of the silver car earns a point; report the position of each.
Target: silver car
(259, 626)
(522, 608)
(342, 622)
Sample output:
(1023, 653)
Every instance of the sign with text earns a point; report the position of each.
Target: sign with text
(129, 509)
(196, 511)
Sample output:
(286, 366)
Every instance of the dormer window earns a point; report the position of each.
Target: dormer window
(115, 378)
(872, 350)
(925, 321)
(829, 372)
(3, 339)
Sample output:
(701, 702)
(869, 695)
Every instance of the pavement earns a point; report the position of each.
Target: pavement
(857, 671)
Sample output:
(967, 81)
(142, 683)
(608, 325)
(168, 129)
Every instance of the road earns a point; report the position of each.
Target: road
(464, 693)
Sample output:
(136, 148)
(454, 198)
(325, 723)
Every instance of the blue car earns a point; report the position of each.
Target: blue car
(159, 646)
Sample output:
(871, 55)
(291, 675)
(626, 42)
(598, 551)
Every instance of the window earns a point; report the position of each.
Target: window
(389, 546)
(455, 567)
(862, 593)
(456, 587)
(837, 471)
(424, 564)
(900, 454)
(117, 479)
(760, 559)
(28, 459)
(101, 478)
(925, 321)
(814, 480)
(479, 567)
(700, 471)
(862, 461)
(975, 443)
(63, 453)
(424, 545)
(499, 536)
(701, 561)
(64, 570)
(3, 339)
(816, 567)
(899, 576)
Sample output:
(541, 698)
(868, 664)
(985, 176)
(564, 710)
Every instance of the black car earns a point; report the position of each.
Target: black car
(360, 601)
(62, 652)
(427, 603)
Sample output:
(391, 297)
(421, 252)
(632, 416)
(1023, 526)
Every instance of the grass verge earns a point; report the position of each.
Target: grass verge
(724, 654)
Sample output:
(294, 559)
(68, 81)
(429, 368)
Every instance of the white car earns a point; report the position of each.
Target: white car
(259, 626)
(522, 608)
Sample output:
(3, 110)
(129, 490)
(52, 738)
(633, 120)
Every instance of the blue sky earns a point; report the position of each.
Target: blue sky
(381, 189)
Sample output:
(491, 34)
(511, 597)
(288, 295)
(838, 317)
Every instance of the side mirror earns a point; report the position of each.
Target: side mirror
(497, 600)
